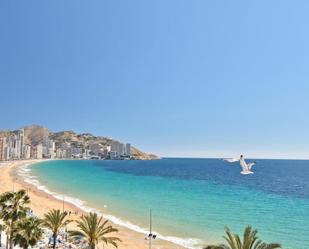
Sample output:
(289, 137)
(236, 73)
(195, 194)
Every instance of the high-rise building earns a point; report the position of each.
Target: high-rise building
(106, 149)
(10, 147)
(114, 150)
(60, 153)
(120, 150)
(21, 138)
(48, 148)
(45, 152)
(18, 144)
(51, 153)
(17, 151)
(128, 150)
(27, 151)
(2, 147)
(6, 153)
(14, 147)
(38, 151)
(114, 146)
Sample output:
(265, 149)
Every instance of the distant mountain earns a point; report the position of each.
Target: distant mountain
(36, 134)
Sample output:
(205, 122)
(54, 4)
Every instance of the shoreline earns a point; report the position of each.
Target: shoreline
(41, 202)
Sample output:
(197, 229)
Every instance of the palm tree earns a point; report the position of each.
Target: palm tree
(29, 232)
(13, 208)
(1, 229)
(94, 229)
(55, 220)
(250, 241)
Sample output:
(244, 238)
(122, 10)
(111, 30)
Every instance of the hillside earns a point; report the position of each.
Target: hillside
(36, 134)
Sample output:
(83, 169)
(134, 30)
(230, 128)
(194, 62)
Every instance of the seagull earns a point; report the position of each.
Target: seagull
(246, 167)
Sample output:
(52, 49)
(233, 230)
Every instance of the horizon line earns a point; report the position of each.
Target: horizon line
(252, 158)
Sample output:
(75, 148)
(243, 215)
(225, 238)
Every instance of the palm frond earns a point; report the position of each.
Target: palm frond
(250, 240)
(230, 238)
(94, 229)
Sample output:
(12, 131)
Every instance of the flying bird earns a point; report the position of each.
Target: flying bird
(246, 167)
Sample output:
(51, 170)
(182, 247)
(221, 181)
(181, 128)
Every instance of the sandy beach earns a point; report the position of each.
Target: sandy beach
(41, 203)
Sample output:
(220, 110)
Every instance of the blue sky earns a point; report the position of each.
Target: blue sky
(176, 78)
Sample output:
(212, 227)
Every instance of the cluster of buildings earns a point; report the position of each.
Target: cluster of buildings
(13, 147)
(93, 150)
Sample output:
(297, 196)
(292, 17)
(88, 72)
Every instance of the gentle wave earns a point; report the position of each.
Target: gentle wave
(24, 172)
(4, 164)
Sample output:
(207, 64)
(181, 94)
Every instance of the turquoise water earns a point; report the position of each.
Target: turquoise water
(192, 198)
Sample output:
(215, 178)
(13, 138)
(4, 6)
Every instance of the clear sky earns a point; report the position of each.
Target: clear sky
(176, 78)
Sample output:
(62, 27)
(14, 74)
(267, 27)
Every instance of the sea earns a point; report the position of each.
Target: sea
(191, 199)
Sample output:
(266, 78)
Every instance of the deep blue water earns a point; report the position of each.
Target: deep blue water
(282, 177)
(193, 198)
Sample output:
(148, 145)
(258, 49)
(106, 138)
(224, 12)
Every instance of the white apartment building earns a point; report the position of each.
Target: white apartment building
(27, 151)
(2, 147)
(38, 151)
